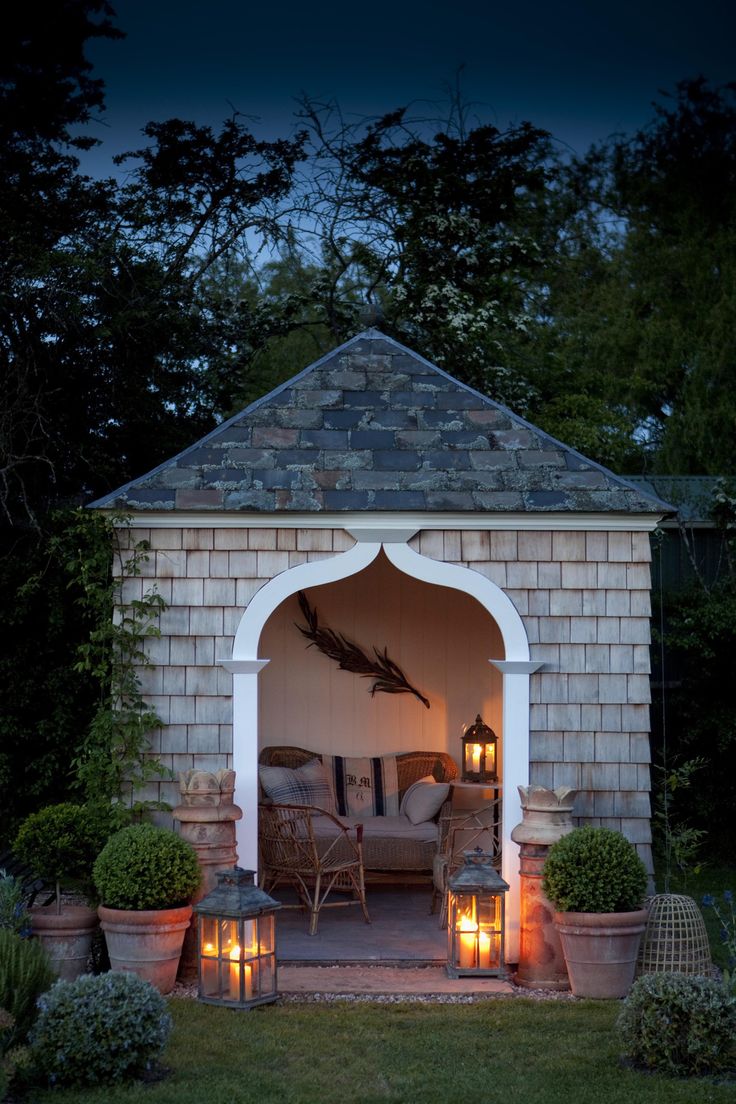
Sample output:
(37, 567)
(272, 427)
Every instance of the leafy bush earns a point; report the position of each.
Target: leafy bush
(594, 870)
(25, 973)
(99, 1029)
(677, 1024)
(14, 915)
(59, 843)
(144, 867)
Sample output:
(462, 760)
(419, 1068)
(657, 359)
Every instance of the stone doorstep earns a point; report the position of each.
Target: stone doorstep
(385, 980)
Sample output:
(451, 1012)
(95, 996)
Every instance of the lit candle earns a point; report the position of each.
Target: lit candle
(468, 930)
(484, 950)
(476, 758)
(235, 965)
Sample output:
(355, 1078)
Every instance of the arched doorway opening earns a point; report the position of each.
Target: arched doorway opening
(508, 702)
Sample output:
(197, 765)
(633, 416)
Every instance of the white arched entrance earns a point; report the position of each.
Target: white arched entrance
(515, 667)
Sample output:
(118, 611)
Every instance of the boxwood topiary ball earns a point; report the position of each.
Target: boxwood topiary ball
(144, 867)
(594, 870)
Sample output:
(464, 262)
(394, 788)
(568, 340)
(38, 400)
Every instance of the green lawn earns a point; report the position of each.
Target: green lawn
(513, 1050)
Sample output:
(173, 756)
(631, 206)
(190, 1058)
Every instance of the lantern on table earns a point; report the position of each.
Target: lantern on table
(479, 753)
(475, 918)
(236, 942)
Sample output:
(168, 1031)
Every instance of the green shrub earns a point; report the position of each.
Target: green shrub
(99, 1029)
(594, 870)
(677, 1024)
(59, 843)
(14, 915)
(143, 867)
(25, 973)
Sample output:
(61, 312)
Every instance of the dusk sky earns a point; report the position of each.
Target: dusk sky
(581, 70)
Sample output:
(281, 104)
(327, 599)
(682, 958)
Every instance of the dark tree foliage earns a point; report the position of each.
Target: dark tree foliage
(105, 329)
(444, 227)
(642, 309)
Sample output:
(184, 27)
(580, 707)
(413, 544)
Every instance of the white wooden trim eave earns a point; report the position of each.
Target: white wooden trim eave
(411, 520)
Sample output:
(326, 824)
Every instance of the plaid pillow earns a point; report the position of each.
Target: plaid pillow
(306, 785)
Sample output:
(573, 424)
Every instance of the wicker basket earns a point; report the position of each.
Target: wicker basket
(675, 938)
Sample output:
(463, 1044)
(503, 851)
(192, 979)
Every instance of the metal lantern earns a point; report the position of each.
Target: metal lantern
(236, 942)
(475, 918)
(479, 753)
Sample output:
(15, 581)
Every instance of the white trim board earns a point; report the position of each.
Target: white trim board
(537, 522)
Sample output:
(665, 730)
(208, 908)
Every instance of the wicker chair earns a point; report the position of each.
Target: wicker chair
(290, 853)
(462, 829)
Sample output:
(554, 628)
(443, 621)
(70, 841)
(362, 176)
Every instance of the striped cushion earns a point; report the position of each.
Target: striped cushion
(307, 785)
(364, 787)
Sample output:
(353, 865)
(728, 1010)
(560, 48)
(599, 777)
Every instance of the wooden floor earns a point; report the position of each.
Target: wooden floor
(401, 931)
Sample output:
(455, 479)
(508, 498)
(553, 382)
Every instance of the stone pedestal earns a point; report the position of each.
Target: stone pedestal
(206, 819)
(547, 817)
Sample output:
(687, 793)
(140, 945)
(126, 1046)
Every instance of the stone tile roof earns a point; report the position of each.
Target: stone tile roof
(373, 426)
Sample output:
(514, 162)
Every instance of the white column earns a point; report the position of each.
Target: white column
(245, 754)
(515, 773)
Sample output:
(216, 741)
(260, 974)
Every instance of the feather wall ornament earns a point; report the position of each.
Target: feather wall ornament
(387, 675)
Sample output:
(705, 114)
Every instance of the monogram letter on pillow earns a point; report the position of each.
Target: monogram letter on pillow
(364, 787)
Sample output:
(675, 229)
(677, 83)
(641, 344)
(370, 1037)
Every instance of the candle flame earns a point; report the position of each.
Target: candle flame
(235, 952)
(466, 923)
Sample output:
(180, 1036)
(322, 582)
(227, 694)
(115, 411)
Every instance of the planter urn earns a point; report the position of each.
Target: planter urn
(547, 817)
(66, 937)
(206, 818)
(601, 950)
(147, 943)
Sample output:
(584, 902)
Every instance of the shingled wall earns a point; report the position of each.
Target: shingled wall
(583, 598)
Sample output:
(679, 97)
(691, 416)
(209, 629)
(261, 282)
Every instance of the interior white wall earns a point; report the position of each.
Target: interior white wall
(441, 639)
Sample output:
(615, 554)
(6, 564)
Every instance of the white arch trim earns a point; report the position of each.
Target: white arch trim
(514, 666)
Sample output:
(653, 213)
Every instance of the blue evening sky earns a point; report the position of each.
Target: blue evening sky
(581, 70)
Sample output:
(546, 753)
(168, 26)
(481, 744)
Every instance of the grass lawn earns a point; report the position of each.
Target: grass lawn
(501, 1050)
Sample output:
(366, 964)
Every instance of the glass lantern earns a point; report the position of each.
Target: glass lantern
(236, 942)
(479, 753)
(475, 918)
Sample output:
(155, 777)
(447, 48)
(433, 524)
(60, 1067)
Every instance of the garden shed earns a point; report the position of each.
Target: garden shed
(506, 574)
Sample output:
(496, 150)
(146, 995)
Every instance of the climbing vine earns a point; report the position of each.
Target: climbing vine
(114, 762)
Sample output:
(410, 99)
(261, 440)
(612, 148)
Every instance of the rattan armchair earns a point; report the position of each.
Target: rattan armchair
(291, 853)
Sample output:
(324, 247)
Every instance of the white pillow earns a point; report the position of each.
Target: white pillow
(424, 799)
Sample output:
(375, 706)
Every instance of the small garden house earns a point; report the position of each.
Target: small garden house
(503, 572)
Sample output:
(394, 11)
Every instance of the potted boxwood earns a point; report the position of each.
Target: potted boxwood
(597, 882)
(59, 844)
(145, 877)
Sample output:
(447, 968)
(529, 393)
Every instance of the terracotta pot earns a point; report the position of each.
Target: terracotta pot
(66, 937)
(601, 950)
(146, 943)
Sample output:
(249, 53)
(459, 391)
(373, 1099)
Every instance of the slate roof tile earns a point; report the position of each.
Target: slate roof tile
(373, 426)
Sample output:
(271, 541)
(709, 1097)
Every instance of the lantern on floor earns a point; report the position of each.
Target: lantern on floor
(479, 753)
(475, 918)
(236, 942)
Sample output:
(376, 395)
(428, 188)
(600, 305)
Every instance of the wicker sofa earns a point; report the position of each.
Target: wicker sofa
(390, 844)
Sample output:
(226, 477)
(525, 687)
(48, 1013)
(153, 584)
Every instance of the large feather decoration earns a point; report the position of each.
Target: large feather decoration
(387, 675)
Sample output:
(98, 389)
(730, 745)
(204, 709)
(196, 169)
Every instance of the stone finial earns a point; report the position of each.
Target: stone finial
(547, 814)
